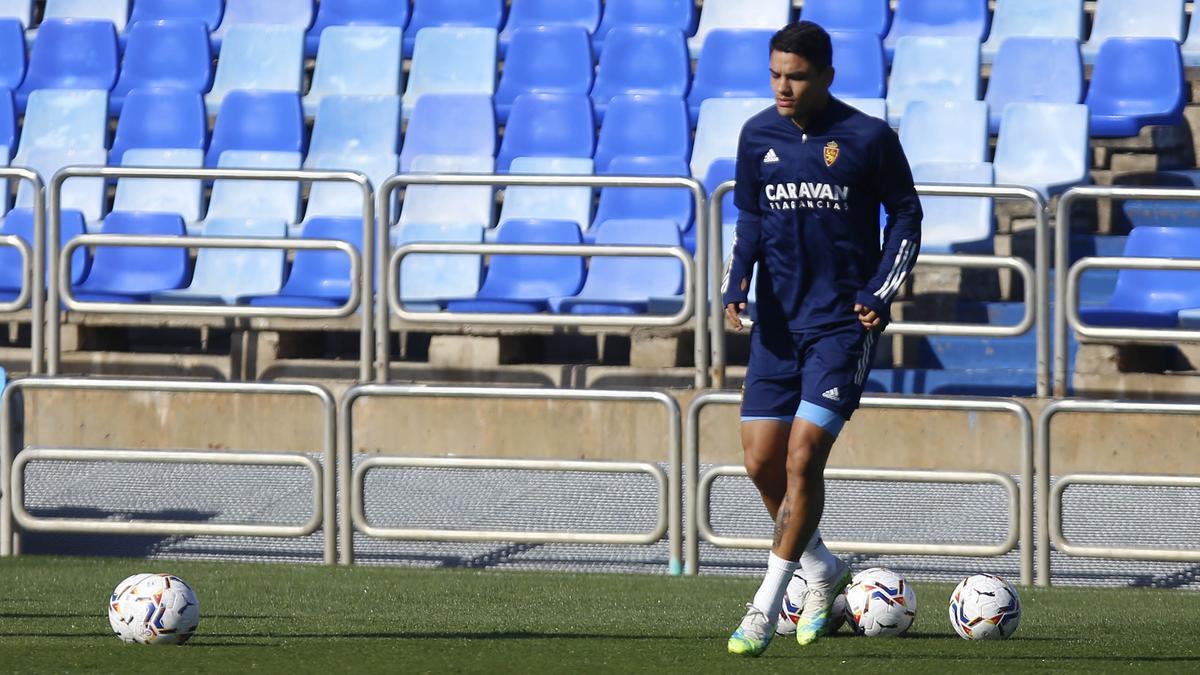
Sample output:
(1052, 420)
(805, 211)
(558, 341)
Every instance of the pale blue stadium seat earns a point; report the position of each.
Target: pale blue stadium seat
(12, 53)
(19, 222)
(718, 172)
(162, 195)
(672, 204)
(21, 10)
(357, 124)
(296, 14)
(427, 280)
(356, 60)
(933, 68)
(718, 127)
(1033, 18)
(451, 60)
(938, 18)
(642, 60)
(872, 16)
(860, 70)
(129, 274)
(71, 54)
(65, 118)
(1189, 318)
(391, 13)
(161, 118)
(318, 278)
(266, 58)
(427, 13)
(572, 204)
(525, 283)
(875, 107)
(1133, 18)
(1034, 69)
(956, 224)
(1043, 145)
(732, 66)
(548, 125)
(208, 11)
(164, 55)
(267, 200)
(257, 120)
(531, 13)
(651, 126)
(677, 14)
(546, 59)
(1152, 298)
(115, 12)
(450, 124)
(473, 205)
(224, 275)
(345, 199)
(85, 195)
(945, 131)
(8, 126)
(715, 15)
(1191, 47)
(1137, 82)
(625, 285)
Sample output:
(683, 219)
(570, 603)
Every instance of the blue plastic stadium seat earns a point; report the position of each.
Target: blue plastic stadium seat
(718, 127)
(71, 54)
(624, 285)
(160, 118)
(451, 60)
(450, 124)
(938, 18)
(1133, 18)
(1191, 47)
(956, 224)
(671, 204)
(718, 172)
(21, 10)
(677, 14)
(859, 66)
(318, 278)
(641, 60)
(427, 13)
(1047, 70)
(269, 58)
(129, 274)
(875, 107)
(266, 200)
(164, 55)
(427, 280)
(12, 54)
(355, 13)
(1043, 145)
(548, 125)
(648, 126)
(19, 222)
(735, 64)
(737, 14)
(8, 125)
(65, 118)
(345, 199)
(85, 195)
(525, 283)
(162, 195)
(1158, 212)
(115, 12)
(953, 382)
(357, 124)
(872, 16)
(473, 205)
(1152, 298)
(296, 14)
(1034, 18)
(545, 59)
(958, 353)
(531, 13)
(208, 11)
(224, 275)
(945, 131)
(1137, 82)
(257, 120)
(358, 60)
(932, 68)
(572, 204)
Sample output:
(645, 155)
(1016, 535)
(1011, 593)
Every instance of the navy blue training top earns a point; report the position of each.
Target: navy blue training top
(809, 217)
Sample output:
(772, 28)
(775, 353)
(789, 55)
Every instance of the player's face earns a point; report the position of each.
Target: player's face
(799, 87)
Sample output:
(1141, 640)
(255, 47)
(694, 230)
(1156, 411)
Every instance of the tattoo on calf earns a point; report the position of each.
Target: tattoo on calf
(781, 523)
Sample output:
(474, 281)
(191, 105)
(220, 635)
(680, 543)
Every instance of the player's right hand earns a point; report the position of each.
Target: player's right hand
(733, 314)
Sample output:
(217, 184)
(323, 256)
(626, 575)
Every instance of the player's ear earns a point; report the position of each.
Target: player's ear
(827, 77)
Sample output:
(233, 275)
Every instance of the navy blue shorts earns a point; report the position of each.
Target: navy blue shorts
(816, 375)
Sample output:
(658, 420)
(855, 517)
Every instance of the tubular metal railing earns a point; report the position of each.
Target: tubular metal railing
(34, 254)
(1124, 334)
(26, 253)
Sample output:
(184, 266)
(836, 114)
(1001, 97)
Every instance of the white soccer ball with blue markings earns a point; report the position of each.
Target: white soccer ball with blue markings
(793, 603)
(985, 607)
(153, 609)
(880, 602)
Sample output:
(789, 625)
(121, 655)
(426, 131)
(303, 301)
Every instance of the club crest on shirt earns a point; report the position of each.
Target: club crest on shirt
(831, 153)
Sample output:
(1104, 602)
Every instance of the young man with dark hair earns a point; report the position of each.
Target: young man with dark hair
(811, 175)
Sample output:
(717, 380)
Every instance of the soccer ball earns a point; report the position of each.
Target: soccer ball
(984, 607)
(793, 603)
(153, 609)
(880, 602)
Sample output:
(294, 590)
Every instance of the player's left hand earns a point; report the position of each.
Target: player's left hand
(867, 317)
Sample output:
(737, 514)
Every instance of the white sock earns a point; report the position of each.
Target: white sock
(818, 562)
(769, 597)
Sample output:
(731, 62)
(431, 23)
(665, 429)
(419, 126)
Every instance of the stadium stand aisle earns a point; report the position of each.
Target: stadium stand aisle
(1136, 82)
(1034, 69)
(544, 59)
(318, 278)
(387, 13)
(71, 54)
(641, 60)
(932, 68)
(295, 14)
(572, 204)
(476, 13)
(360, 60)
(1133, 18)
(253, 57)
(735, 14)
(937, 18)
(678, 14)
(1034, 18)
(732, 66)
(129, 274)
(871, 16)
(451, 60)
(172, 54)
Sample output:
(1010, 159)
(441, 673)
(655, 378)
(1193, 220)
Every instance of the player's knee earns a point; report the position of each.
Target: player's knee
(757, 465)
(803, 465)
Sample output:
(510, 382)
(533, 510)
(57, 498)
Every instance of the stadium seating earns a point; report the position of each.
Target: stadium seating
(160, 118)
(208, 11)
(115, 12)
(1034, 18)
(643, 203)
(164, 55)
(572, 204)
(735, 14)
(955, 224)
(648, 126)
(294, 14)
(718, 172)
(224, 275)
(678, 14)
(21, 10)
(450, 124)
(351, 125)
(945, 131)
(875, 107)
(533, 13)
(71, 54)
(1043, 145)
(624, 285)
(436, 205)
(85, 195)
(428, 279)
(257, 120)
(1191, 47)
(641, 60)
(735, 64)
(330, 199)
(938, 18)
(479, 13)
(1133, 18)
(524, 283)
(548, 125)
(269, 58)
(451, 60)
(1034, 69)
(933, 68)
(356, 60)
(714, 129)
(259, 200)
(859, 67)
(8, 127)
(872, 16)
(162, 195)
(1157, 212)
(12, 54)
(65, 118)
(1137, 82)
(1152, 298)
(544, 59)
(318, 278)
(388, 13)
(19, 222)
(132, 274)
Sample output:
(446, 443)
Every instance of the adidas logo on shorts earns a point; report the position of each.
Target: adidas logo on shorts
(832, 395)
(771, 157)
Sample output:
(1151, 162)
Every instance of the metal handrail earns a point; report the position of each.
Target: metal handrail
(386, 192)
(26, 254)
(1075, 321)
(37, 267)
(393, 290)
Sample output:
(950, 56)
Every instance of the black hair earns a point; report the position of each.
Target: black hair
(807, 39)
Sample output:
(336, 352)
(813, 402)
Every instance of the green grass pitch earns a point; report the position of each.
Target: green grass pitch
(299, 618)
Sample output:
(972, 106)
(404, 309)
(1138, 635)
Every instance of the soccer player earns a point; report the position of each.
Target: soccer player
(811, 175)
